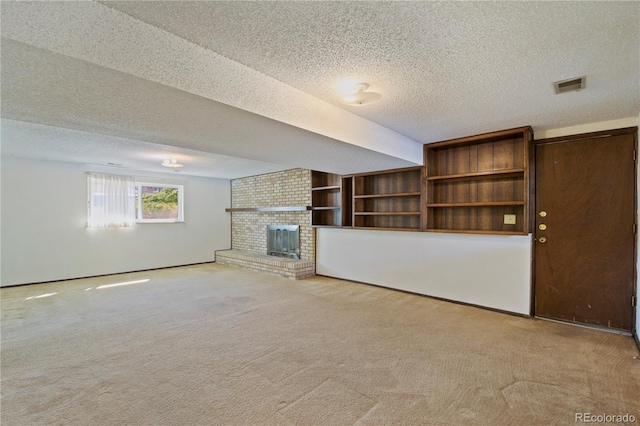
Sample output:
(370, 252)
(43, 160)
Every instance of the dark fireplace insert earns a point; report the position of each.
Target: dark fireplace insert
(283, 241)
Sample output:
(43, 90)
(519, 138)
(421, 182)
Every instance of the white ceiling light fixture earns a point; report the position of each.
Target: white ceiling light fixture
(171, 163)
(360, 96)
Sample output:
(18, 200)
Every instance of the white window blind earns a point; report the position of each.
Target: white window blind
(111, 200)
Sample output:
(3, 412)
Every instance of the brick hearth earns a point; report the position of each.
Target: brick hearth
(288, 268)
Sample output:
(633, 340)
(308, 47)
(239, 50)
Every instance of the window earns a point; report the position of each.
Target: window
(157, 202)
(120, 201)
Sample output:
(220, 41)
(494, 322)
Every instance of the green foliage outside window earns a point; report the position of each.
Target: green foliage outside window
(165, 199)
(159, 203)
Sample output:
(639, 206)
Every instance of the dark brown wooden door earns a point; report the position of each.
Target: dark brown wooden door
(585, 258)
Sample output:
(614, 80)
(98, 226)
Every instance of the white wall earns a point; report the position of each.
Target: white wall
(486, 270)
(45, 237)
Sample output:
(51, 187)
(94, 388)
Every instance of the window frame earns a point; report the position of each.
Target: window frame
(138, 202)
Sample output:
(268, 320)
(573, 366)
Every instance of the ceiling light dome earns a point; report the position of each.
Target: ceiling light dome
(360, 97)
(171, 163)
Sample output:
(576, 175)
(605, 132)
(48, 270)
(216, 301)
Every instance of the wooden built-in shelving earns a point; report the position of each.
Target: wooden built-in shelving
(477, 184)
(328, 194)
(388, 199)
(479, 175)
(473, 182)
(485, 204)
(387, 213)
(399, 194)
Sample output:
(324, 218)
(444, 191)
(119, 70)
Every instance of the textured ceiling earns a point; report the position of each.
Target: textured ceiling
(260, 80)
(40, 142)
(80, 95)
(445, 69)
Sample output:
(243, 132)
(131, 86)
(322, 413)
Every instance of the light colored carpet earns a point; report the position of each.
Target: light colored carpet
(210, 344)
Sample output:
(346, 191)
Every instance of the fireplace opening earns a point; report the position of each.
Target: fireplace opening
(283, 241)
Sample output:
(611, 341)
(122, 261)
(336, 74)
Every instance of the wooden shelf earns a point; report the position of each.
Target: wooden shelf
(484, 137)
(495, 174)
(379, 173)
(399, 194)
(387, 213)
(487, 204)
(326, 188)
(472, 182)
(475, 231)
(381, 228)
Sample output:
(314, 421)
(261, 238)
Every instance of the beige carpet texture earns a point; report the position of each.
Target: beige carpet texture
(215, 345)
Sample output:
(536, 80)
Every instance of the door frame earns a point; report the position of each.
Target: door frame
(533, 208)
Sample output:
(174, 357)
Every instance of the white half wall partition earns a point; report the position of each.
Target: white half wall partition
(493, 271)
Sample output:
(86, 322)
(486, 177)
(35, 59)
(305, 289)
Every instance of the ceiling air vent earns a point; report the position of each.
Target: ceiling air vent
(569, 85)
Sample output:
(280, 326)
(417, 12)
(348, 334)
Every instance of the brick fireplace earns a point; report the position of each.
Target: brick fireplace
(290, 188)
